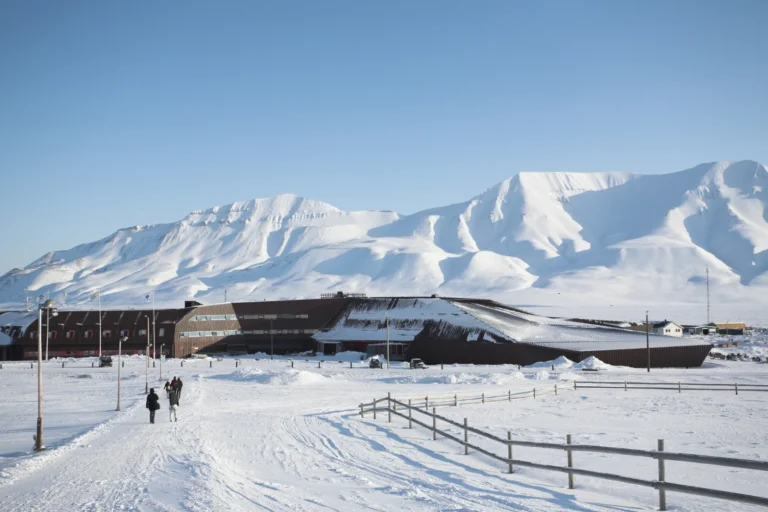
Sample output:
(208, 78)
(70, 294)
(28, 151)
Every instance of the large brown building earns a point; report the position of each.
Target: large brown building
(436, 329)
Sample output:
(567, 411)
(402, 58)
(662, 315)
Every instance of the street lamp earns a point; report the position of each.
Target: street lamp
(48, 314)
(49, 308)
(387, 317)
(647, 341)
(146, 361)
(119, 364)
(161, 361)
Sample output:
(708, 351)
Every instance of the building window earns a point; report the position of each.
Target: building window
(142, 332)
(51, 335)
(125, 332)
(70, 335)
(88, 334)
(33, 335)
(162, 332)
(107, 334)
(212, 318)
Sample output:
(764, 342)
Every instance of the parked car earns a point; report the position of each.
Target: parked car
(417, 364)
(375, 363)
(105, 361)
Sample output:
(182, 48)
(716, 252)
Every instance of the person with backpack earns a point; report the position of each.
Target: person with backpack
(173, 405)
(179, 385)
(153, 404)
(167, 387)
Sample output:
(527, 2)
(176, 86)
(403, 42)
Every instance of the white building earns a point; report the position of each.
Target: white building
(667, 328)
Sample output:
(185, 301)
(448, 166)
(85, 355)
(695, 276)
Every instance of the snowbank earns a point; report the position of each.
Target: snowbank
(290, 377)
(458, 378)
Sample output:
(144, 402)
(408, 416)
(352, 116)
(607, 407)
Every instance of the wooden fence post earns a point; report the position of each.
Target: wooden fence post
(534, 393)
(361, 410)
(625, 385)
(350, 364)
(409, 413)
(570, 462)
(318, 364)
(509, 450)
(456, 400)
(466, 439)
(510, 395)
(555, 389)
(575, 385)
(426, 402)
(434, 425)
(662, 492)
(483, 397)
(389, 407)
(736, 386)
(679, 388)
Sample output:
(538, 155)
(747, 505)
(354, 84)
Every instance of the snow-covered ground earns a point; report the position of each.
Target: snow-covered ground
(268, 436)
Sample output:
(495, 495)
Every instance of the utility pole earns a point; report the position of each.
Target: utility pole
(119, 364)
(39, 436)
(47, 331)
(146, 360)
(648, 341)
(387, 317)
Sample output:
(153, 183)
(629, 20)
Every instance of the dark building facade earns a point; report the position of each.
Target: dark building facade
(437, 330)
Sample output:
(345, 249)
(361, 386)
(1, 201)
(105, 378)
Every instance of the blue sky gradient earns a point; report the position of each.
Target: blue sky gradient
(122, 113)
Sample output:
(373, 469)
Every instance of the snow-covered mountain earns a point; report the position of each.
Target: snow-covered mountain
(562, 240)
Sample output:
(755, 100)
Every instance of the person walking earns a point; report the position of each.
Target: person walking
(173, 404)
(167, 387)
(153, 404)
(179, 385)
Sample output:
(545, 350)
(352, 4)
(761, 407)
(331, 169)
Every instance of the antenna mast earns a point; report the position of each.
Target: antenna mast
(707, 294)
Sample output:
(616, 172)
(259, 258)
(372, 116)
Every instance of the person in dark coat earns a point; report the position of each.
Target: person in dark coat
(153, 404)
(179, 385)
(173, 405)
(167, 387)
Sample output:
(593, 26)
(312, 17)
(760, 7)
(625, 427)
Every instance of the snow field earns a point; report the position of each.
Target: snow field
(264, 435)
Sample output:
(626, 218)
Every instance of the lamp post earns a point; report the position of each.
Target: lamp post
(146, 360)
(48, 305)
(647, 341)
(161, 360)
(387, 317)
(47, 331)
(119, 364)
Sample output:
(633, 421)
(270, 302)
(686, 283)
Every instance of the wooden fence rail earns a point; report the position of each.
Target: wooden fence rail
(660, 484)
(671, 386)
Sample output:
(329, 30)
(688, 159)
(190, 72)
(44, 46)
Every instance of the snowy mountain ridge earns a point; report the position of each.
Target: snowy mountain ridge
(611, 236)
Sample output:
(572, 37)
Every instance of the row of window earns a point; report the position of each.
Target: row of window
(234, 332)
(212, 318)
(265, 316)
(91, 333)
(281, 316)
(204, 334)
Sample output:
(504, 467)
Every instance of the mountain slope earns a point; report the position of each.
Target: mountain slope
(604, 237)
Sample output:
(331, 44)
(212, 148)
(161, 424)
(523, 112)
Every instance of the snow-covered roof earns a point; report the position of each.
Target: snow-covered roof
(18, 318)
(565, 335)
(407, 316)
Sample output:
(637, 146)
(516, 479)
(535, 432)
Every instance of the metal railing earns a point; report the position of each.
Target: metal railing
(672, 386)
(406, 412)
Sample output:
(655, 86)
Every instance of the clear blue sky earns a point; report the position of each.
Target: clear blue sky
(121, 113)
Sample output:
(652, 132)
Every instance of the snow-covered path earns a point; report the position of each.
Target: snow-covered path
(267, 437)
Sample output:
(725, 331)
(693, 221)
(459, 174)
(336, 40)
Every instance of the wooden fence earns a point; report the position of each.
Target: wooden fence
(406, 412)
(673, 386)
